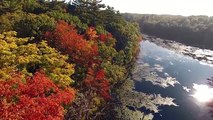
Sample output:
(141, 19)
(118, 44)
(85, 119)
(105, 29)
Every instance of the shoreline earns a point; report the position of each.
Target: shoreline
(203, 55)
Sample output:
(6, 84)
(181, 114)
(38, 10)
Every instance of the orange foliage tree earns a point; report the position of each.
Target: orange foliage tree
(37, 98)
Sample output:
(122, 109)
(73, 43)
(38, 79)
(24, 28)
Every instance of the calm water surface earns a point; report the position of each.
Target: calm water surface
(186, 70)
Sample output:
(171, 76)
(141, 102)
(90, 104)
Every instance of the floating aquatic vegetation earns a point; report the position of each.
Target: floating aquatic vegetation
(158, 58)
(186, 89)
(150, 102)
(204, 63)
(141, 71)
(126, 114)
(150, 74)
(196, 53)
(158, 68)
(136, 100)
(163, 82)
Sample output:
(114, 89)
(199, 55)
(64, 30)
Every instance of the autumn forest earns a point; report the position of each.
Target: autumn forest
(62, 60)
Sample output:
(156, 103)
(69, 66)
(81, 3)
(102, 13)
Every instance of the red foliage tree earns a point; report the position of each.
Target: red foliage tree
(36, 99)
(66, 39)
(96, 80)
(83, 50)
(105, 37)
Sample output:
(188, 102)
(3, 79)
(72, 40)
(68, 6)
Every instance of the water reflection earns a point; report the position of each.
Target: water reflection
(203, 93)
(186, 74)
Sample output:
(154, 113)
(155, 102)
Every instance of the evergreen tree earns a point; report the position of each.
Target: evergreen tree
(88, 10)
(9, 6)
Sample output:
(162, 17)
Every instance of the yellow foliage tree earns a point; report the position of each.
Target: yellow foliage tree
(18, 54)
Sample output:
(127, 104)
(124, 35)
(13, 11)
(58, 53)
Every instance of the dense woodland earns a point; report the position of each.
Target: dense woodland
(193, 30)
(73, 61)
(62, 60)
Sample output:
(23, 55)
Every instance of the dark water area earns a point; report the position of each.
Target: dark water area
(186, 70)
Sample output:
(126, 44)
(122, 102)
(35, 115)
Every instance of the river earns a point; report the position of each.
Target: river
(174, 65)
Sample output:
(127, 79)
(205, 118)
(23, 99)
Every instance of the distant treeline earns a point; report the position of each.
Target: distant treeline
(193, 30)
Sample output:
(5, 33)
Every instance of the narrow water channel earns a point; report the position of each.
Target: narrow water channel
(187, 71)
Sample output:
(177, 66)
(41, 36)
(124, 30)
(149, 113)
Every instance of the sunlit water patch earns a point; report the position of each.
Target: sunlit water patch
(203, 93)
